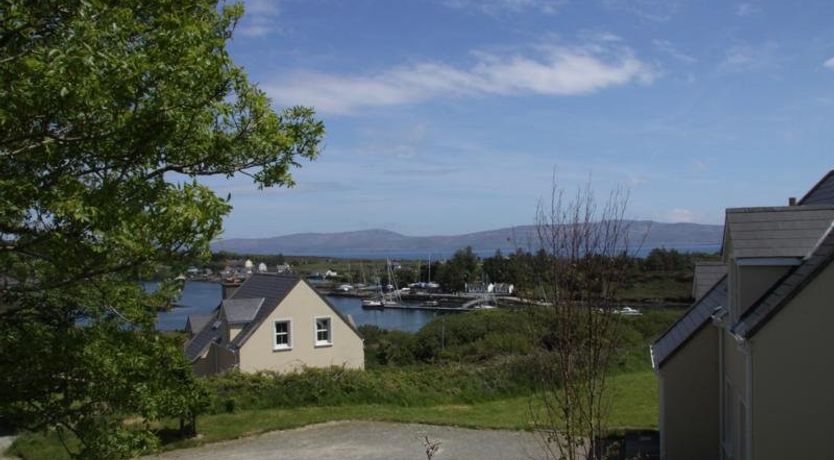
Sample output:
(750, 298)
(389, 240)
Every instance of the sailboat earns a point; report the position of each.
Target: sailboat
(376, 302)
(382, 300)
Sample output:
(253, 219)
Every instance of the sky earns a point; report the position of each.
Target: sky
(454, 116)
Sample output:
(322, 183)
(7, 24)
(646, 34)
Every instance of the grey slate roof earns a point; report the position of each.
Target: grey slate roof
(786, 289)
(822, 192)
(272, 288)
(241, 311)
(706, 275)
(266, 291)
(691, 322)
(208, 334)
(197, 322)
(791, 231)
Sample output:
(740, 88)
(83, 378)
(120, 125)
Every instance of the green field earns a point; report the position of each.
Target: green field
(634, 406)
(474, 371)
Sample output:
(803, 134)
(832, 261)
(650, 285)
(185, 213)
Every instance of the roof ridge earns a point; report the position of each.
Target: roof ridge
(799, 207)
(771, 302)
(816, 187)
(691, 308)
(689, 323)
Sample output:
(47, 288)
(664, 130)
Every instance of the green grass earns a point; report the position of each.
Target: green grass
(634, 395)
(658, 287)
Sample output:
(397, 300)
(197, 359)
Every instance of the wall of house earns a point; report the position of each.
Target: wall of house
(301, 306)
(689, 399)
(733, 379)
(203, 366)
(233, 331)
(754, 281)
(224, 360)
(793, 376)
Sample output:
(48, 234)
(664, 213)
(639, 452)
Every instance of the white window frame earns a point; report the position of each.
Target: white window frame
(323, 343)
(282, 347)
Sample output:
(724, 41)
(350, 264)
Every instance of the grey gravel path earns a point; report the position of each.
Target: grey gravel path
(5, 442)
(371, 441)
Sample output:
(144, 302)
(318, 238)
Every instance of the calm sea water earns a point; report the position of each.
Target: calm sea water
(198, 297)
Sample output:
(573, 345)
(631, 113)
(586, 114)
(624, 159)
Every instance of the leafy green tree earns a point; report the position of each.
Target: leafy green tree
(464, 267)
(110, 112)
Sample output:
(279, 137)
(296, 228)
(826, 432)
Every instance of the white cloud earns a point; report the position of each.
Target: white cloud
(555, 70)
(651, 10)
(260, 18)
(746, 9)
(829, 63)
(751, 57)
(681, 216)
(513, 6)
(667, 47)
(401, 143)
(700, 166)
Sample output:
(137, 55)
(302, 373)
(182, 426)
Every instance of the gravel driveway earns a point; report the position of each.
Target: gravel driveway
(369, 440)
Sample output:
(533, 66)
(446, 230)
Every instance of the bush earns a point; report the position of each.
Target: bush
(411, 386)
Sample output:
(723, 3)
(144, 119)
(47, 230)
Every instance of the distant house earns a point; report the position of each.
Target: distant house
(503, 289)
(273, 323)
(748, 371)
(477, 288)
(283, 268)
(489, 288)
(330, 274)
(262, 267)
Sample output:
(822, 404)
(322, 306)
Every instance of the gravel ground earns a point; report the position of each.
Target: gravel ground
(5, 442)
(371, 441)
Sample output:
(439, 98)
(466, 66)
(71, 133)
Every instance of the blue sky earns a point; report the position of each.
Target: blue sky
(450, 116)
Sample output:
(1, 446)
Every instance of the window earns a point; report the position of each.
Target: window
(324, 335)
(283, 337)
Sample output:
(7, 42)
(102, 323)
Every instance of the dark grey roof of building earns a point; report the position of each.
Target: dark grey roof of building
(786, 289)
(208, 334)
(271, 288)
(691, 322)
(241, 311)
(791, 231)
(266, 291)
(706, 275)
(196, 322)
(822, 192)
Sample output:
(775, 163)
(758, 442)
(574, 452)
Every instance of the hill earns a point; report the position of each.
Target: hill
(385, 243)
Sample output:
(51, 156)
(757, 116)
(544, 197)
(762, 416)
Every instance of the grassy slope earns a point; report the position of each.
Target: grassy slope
(635, 406)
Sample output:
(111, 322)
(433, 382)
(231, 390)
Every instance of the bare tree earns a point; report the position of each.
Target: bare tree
(586, 246)
(431, 447)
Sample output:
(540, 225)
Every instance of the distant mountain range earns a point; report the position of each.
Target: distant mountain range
(385, 243)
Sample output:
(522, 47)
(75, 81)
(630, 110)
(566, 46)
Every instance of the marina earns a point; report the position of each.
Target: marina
(202, 297)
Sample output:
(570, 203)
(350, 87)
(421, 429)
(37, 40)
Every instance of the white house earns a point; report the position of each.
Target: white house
(273, 323)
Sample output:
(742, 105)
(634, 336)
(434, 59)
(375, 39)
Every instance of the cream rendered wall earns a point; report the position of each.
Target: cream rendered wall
(754, 281)
(733, 373)
(793, 377)
(233, 331)
(301, 306)
(689, 399)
